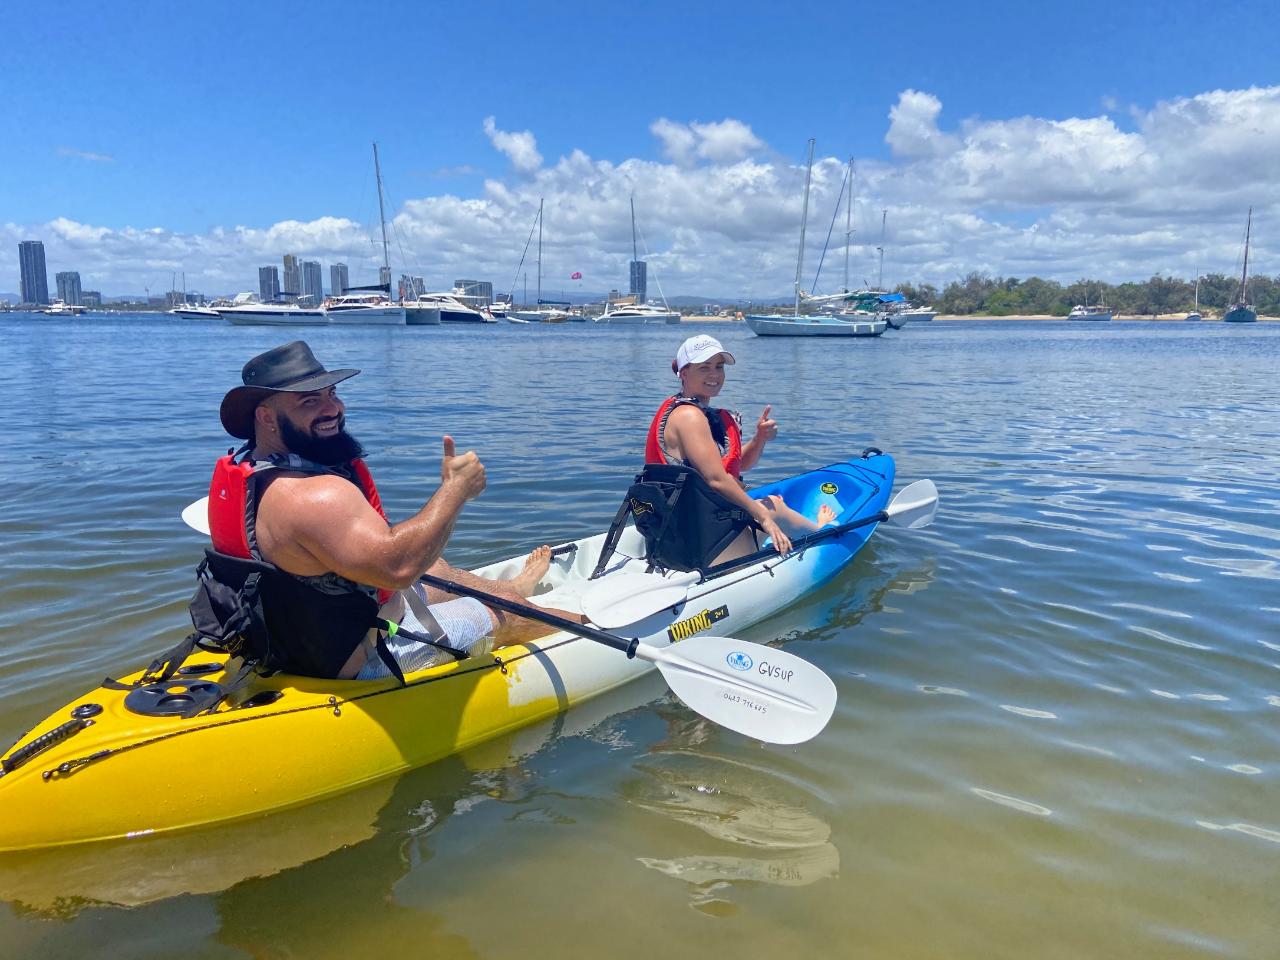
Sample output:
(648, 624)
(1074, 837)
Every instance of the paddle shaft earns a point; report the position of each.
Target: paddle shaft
(798, 544)
(664, 659)
(535, 613)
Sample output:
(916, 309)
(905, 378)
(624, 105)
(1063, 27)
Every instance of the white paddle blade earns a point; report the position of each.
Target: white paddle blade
(914, 506)
(760, 692)
(196, 516)
(620, 599)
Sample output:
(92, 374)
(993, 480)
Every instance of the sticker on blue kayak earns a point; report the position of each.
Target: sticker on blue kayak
(828, 487)
(683, 629)
(739, 660)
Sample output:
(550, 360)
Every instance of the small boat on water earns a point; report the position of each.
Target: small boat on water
(797, 324)
(194, 311)
(245, 310)
(815, 325)
(140, 758)
(1241, 311)
(637, 313)
(1097, 311)
(370, 309)
(1195, 312)
(59, 308)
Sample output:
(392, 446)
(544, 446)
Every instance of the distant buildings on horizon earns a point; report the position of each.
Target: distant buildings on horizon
(34, 279)
(301, 279)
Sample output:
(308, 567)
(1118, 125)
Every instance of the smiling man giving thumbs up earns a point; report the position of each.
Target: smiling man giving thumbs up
(298, 503)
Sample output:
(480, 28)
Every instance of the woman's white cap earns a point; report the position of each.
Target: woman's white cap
(699, 348)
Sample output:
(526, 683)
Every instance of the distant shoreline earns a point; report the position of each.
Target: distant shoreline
(1164, 317)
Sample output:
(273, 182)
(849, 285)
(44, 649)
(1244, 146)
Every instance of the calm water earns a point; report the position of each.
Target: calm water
(1059, 724)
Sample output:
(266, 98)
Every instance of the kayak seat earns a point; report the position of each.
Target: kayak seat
(685, 523)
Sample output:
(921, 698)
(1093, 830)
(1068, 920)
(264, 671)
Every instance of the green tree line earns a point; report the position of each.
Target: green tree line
(1009, 296)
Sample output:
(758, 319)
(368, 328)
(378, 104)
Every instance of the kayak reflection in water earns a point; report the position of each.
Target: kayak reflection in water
(299, 497)
(688, 431)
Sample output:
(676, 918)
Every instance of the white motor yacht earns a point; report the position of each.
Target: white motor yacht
(364, 309)
(451, 309)
(1092, 312)
(637, 313)
(195, 311)
(245, 310)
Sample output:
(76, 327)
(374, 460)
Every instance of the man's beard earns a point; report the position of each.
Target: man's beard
(332, 451)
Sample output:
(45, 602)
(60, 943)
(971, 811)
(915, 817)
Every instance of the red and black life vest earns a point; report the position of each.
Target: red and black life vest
(722, 422)
(685, 522)
(302, 625)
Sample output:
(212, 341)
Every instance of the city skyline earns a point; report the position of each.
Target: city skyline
(1019, 164)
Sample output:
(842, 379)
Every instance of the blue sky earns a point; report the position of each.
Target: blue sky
(192, 119)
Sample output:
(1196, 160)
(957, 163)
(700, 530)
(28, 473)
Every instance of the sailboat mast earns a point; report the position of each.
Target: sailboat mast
(1244, 274)
(539, 251)
(382, 216)
(884, 215)
(804, 222)
(848, 225)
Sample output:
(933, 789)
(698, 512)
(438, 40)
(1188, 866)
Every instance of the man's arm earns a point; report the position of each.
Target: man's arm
(326, 521)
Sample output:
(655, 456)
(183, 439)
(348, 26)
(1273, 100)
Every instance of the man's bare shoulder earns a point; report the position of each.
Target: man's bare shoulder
(300, 496)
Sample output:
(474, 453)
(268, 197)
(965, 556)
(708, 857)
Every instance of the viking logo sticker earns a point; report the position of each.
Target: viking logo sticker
(683, 629)
(829, 488)
(739, 660)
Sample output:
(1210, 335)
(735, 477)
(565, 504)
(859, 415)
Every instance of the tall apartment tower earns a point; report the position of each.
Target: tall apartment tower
(291, 283)
(34, 279)
(639, 280)
(69, 288)
(337, 279)
(482, 290)
(384, 277)
(268, 284)
(312, 284)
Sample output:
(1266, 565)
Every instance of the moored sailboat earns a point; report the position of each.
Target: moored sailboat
(797, 324)
(1241, 311)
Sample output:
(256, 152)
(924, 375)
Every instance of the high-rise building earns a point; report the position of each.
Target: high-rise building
(91, 298)
(268, 284)
(69, 287)
(411, 287)
(482, 290)
(34, 279)
(639, 280)
(384, 277)
(312, 284)
(337, 279)
(291, 282)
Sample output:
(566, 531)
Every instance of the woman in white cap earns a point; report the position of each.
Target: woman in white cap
(688, 431)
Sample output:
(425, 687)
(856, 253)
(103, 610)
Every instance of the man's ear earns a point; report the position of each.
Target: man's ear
(264, 418)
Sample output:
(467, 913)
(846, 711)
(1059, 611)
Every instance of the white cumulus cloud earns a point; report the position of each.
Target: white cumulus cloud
(1161, 189)
(724, 141)
(521, 148)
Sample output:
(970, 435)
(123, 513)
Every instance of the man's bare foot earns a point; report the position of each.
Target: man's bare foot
(535, 565)
(826, 516)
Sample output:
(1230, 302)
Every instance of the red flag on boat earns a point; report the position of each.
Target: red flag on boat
(576, 275)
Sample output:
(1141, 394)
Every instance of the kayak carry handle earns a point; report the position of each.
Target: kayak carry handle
(42, 743)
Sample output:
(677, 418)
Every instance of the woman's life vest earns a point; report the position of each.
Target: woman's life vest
(685, 523)
(284, 622)
(725, 430)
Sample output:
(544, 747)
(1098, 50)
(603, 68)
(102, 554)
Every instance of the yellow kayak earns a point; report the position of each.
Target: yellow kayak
(114, 764)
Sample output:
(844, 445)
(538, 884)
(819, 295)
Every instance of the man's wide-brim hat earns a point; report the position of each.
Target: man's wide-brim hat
(292, 368)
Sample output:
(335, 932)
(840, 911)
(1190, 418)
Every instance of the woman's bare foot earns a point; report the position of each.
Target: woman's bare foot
(826, 516)
(535, 565)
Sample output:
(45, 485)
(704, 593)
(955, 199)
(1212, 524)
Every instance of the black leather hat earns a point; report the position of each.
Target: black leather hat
(292, 368)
